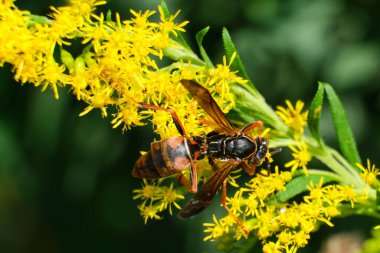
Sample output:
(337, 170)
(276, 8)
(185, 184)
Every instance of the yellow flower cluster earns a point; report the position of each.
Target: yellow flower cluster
(120, 65)
(248, 202)
(156, 198)
(29, 45)
(281, 227)
(293, 116)
(369, 174)
(296, 119)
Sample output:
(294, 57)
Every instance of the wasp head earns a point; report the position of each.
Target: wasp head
(261, 151)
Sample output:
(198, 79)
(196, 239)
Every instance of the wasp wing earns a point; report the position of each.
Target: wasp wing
(207, 102)
(203, 197)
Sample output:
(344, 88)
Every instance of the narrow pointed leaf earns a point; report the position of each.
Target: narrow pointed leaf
(199, 37)
(315, 112)
(343, 131)
(237, 64)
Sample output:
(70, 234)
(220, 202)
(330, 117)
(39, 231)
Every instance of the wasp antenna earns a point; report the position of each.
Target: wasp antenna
(273, 151)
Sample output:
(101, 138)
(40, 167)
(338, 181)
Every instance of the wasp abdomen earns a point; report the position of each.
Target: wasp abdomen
(165, 158)
(144, 167)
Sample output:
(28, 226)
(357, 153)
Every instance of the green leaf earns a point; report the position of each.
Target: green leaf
(199, 37)
(179, 38)
(109, 15)
(67, 60)
(237, 64)
(315, 112)
(299, 185)
(377, 200)
(35, 19)
(177, 54)
(343, 131)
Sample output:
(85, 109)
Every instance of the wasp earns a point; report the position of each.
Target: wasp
(227, 144)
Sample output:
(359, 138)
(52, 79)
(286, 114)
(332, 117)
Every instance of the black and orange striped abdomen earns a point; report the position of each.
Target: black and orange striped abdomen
(165, 158)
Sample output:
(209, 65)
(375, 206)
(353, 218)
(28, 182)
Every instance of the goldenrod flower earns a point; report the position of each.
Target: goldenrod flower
(149, 212)
(222, 77)
(215, 229)
(316, 192)
(266, 222)
(119, 66)
(147, 192)
(369, 174)
(301, 157)
(236, 202)
(301, 238)
(288, 225)
(271, 247)
(169, 197)
(293, 116)
(160, 197)
(168, 25)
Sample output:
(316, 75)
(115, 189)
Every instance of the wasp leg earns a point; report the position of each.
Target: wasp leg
(251, 126)
(192, 186)
(214, 166)
(182, 180)
(250, 170)
(224, 204)
(176, 120)
(265, 167)
(193, 177)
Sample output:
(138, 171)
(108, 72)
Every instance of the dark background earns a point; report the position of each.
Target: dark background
(65, 181)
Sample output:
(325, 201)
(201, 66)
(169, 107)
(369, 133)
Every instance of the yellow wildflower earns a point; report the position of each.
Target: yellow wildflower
(215, 229)
(293, 116)
(167, 25)
(316, 192)
(169, 197)
(301, 238)
(235, 203)
(370, 173)
(149, 212)
(301, 157)
(271, 247)
(147, 192)
(251, 205)
(266, 222)
(221, 77)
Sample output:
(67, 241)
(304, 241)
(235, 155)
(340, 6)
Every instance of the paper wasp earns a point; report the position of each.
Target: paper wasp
(226, 143)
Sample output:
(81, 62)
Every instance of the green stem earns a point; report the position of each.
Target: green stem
(179, 53)
(252, 107)
(347, 210)
(346, 164)
(329, 161)
(325, 173)
(36, 19)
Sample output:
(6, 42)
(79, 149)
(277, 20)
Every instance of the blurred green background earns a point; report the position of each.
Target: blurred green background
(65, 181)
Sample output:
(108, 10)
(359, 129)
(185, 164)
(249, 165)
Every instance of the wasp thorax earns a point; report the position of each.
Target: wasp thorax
(240, 147)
